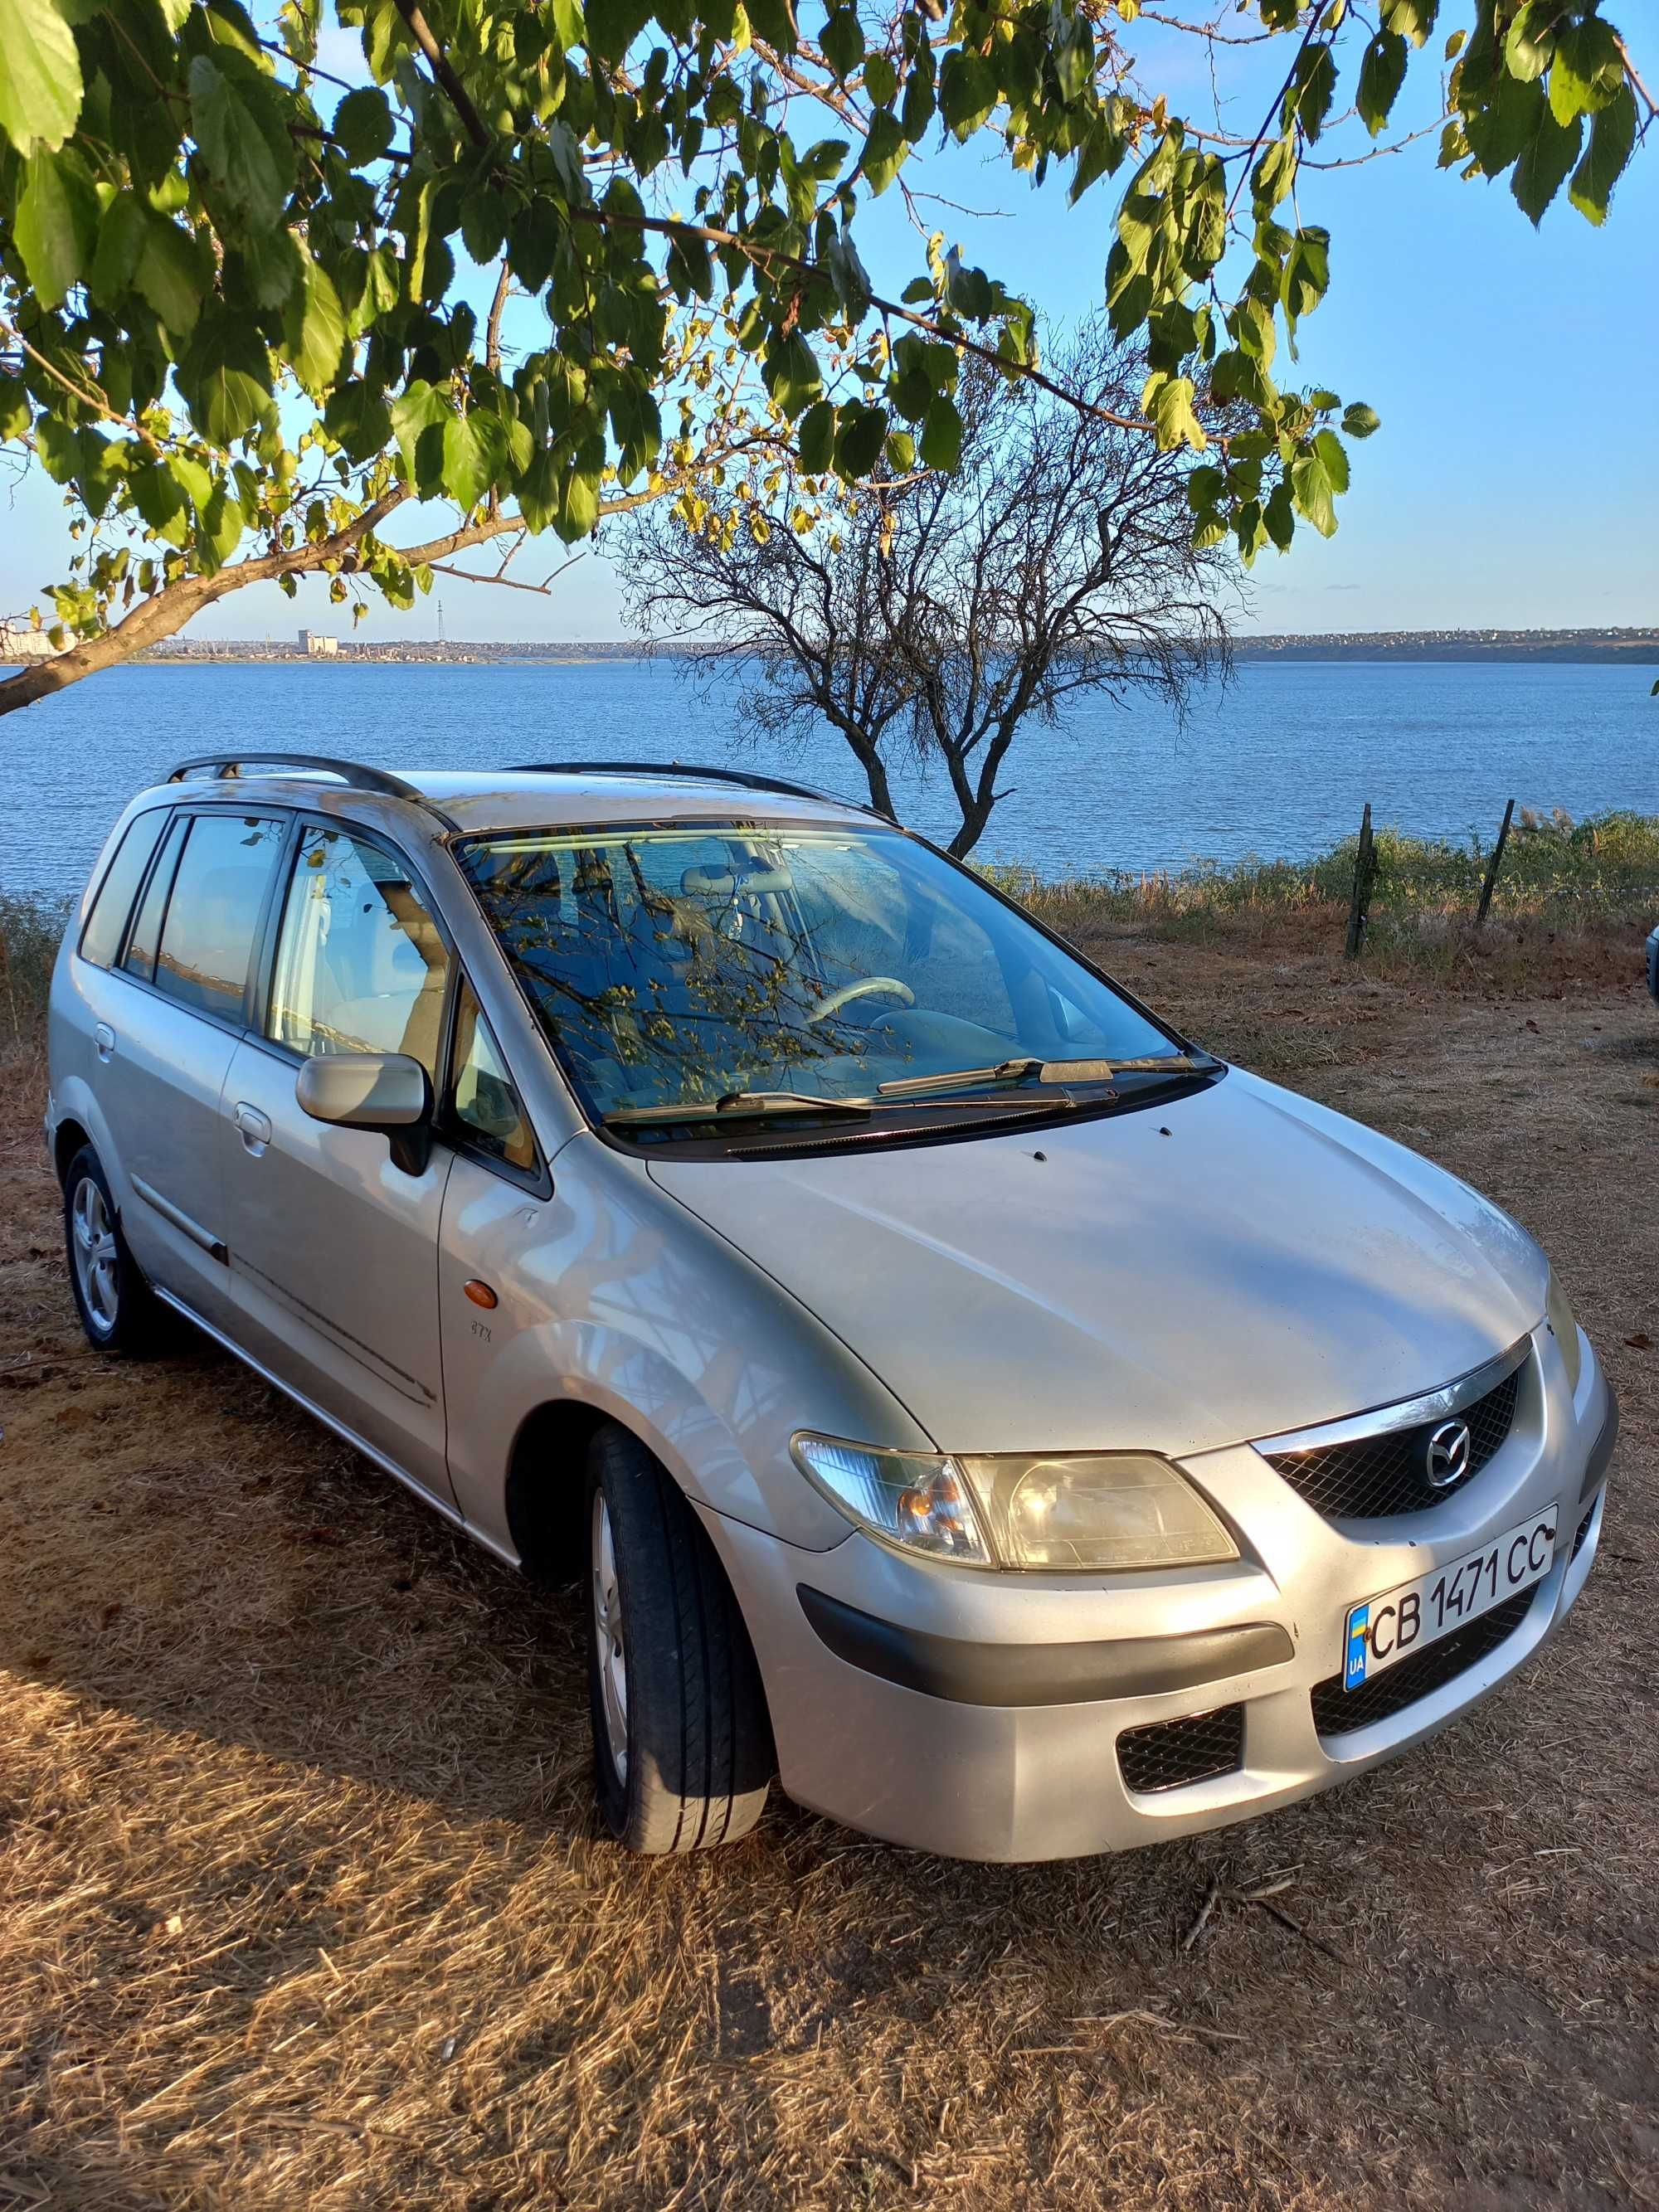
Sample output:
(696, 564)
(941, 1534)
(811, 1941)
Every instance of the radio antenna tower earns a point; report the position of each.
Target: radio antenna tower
(440, 621)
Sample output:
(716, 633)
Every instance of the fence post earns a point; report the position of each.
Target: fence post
(1492, 865)
(1364, 868)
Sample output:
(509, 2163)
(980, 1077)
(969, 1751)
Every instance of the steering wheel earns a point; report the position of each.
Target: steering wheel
(864, 985)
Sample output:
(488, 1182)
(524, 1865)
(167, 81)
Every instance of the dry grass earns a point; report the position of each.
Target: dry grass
(302, 1904)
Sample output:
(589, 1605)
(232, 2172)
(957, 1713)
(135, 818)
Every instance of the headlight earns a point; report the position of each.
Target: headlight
(1560, 1315)
(1111, 1511)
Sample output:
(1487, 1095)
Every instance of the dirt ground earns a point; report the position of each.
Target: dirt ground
(302, 1902)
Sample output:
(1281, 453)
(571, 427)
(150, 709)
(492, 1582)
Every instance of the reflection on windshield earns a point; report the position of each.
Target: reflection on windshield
(678, 966)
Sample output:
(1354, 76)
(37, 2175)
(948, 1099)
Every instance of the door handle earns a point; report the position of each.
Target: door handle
(253, 1127)
(104, 1037)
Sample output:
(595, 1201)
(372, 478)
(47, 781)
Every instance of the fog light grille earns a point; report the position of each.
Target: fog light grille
(1337, 1712)
(1170, 1754)
(1582, 1534)
(1372, 1477)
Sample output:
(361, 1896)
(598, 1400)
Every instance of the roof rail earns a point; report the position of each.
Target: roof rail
(351, 772)
(744, 777)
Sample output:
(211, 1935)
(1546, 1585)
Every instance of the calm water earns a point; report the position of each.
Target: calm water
(1279, 765)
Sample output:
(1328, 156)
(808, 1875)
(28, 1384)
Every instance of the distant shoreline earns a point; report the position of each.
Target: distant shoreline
(1317, 654)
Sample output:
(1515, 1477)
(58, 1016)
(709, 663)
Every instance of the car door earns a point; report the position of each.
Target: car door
(492, 1294)
(167, 1017)
(333, 1246)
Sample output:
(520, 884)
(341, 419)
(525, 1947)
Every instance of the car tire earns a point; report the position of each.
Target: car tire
(119, 1310)
(682, 1742)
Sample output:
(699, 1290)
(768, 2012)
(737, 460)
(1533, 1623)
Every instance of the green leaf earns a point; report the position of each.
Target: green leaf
(1588, 70)
(885, 150)
(120, 241)
(1169, 401)
(842, 41)
(1313, 491)
(859, 442)
(272, 265)
(1382, 73)
(568, 23)
(381, 280)
(941, 435)
(792, 374)
(1359, 419)
(1612, 139)
(1529, 42)
(170, 277)
(314, 331)
(1279, 516)
(418, 409)
(466, 461)
(358, 419)
(57, 225)
(636, 426)
(612, 28)
(16, 413)
(1544, 164)
(966, 91)
(225, 376)
(40, 74)
(816, 438)
(880, 80)
(159, 502)
(1329, 448)
(363, 122)
(233, 143)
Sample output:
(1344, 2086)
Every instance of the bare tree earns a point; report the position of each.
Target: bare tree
(936, 613)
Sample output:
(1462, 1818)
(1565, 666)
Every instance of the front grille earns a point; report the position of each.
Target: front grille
(1337, 1712)
(1168, 1755)
(1582, 1534)
(1373, 1476)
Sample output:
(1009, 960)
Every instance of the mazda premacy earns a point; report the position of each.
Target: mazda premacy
(965, 1400)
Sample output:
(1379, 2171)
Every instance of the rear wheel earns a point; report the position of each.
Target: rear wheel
(682, 1745)
(119, 1310)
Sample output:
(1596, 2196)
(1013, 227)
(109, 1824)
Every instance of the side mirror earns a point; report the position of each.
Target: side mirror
(387, 1092)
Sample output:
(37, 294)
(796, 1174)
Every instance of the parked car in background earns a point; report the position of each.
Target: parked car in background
(967, 1399)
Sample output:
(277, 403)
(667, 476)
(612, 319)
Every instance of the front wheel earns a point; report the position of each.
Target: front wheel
(682, 1744)
(118, 1309)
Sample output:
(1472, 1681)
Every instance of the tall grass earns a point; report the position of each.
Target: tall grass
(30, 929)
(1605, 869)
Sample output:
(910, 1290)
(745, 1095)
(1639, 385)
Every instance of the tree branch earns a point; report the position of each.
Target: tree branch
(421, 31)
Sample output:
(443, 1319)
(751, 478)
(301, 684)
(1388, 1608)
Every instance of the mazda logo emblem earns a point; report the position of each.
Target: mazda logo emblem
(1446, 1454)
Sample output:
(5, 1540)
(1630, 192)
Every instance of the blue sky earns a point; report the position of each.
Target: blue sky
(1514, 481)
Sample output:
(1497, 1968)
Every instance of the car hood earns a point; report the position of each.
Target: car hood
(1234, 1262)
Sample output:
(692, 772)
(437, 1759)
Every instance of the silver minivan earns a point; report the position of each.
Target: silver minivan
(964, 1398)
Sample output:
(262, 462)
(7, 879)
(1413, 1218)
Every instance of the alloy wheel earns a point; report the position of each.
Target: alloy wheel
(95, 1255)
(612, 1656)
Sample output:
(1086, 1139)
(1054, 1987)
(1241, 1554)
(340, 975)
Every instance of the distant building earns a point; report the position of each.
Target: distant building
(21, 641)
(319, 647)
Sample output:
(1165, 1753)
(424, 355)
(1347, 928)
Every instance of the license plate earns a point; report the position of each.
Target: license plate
(1388, 1628)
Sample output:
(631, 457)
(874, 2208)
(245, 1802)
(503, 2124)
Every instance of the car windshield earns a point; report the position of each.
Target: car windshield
(683, 966)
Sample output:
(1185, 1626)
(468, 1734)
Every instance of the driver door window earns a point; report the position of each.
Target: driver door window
(360, 965)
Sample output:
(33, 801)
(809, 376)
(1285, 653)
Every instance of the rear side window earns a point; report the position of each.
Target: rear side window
(100, 939)
(147, 929)
(360, 965)
(213, 913)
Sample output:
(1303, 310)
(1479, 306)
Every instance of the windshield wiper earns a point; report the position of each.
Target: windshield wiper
(736, 1104)
(1045, 1071)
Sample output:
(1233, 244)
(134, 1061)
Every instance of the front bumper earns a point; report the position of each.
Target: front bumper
(980, 1715)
